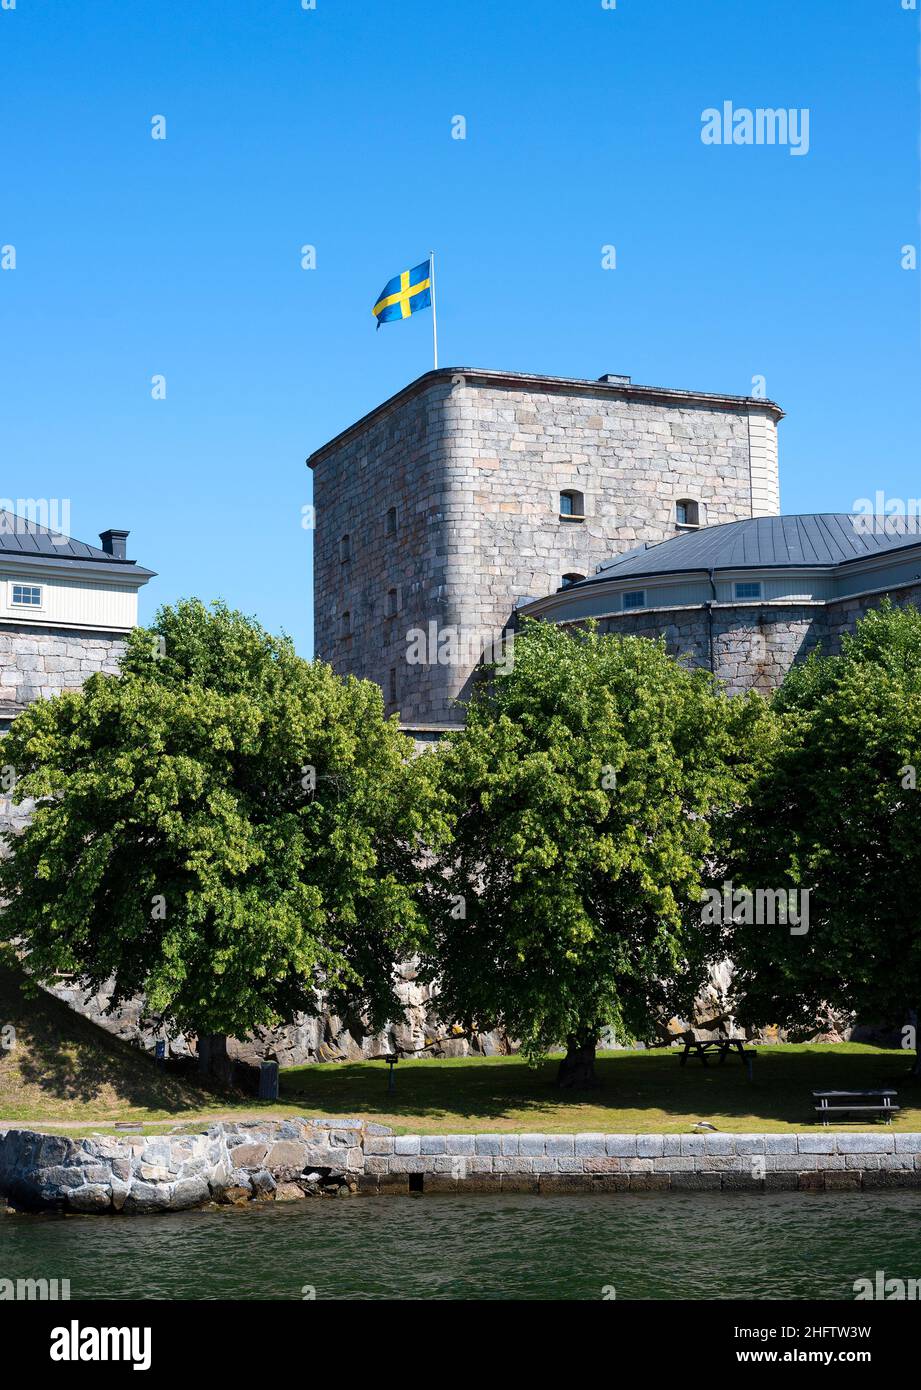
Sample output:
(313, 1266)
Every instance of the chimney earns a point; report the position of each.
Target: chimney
(612, 379)
(113, 543)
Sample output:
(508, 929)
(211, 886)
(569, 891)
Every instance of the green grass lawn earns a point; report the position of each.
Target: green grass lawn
(65, 1068)
(641, 1092)
(66, 1073)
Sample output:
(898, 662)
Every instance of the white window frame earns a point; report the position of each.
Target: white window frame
(747, 598)
(26, 607)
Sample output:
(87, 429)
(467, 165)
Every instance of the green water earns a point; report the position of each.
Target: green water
(669, 1246)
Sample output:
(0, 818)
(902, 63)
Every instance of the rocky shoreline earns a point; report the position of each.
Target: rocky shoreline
(295, 1159)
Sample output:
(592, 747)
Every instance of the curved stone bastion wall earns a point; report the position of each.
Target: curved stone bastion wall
(288, 1160)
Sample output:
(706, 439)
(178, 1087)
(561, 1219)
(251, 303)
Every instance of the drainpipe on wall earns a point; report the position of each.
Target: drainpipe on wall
(710, 604)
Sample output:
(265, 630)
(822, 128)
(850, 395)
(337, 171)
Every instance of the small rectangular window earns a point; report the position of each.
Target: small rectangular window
(748, 590)
(572, 505)
(635, 598)
(27, 595)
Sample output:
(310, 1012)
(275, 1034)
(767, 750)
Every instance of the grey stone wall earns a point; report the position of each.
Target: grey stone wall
(474, 465)
(271, 1160)
(37, 662)
(842, 615)
(252, 1161)
(630, 1162)
(754, 645)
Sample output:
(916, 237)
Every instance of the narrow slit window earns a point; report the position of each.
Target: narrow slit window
(390, 525)
(345, 548)
(345, 629)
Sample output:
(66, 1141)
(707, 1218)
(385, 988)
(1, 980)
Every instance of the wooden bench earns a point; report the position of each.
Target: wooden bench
(856, 1102)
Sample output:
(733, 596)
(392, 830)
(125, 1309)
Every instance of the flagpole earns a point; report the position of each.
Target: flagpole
(434, 315)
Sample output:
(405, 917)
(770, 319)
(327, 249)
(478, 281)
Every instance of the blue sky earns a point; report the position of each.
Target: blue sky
(332, 127)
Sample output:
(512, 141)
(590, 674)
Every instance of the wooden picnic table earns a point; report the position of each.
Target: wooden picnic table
(854, 1101)
(700, 1047)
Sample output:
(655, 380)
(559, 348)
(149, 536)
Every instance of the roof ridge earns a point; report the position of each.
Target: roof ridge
(58, 544)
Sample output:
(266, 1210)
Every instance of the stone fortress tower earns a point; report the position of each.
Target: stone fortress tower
(470, 492)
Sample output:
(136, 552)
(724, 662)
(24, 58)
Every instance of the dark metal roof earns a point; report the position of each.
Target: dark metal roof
(27, 540)
(825, 539)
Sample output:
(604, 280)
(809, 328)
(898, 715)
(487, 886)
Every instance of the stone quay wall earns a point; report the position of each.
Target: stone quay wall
(255, 1161)
(553, 1163)
(290, 1160)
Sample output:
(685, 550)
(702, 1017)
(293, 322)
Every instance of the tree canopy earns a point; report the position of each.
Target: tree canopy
(220, 827)
(582, 795)
(835, 810)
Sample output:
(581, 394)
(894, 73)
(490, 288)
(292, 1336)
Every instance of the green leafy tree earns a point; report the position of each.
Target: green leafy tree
(581, 796)
(221, 827)
(836, 813)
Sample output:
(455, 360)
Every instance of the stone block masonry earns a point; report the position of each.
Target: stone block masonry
(449, 497)
(753, 645)
(38, 662)
(231, 1164)
(288, 1160)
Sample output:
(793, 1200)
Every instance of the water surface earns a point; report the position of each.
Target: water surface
(655, 1245)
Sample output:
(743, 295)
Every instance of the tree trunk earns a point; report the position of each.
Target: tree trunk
(213, 1059)
(577, 1069)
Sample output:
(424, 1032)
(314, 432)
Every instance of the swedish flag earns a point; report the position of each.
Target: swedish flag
(406, 293)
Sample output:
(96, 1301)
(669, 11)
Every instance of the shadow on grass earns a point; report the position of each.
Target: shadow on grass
(61, 1057)
(631, 1084)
